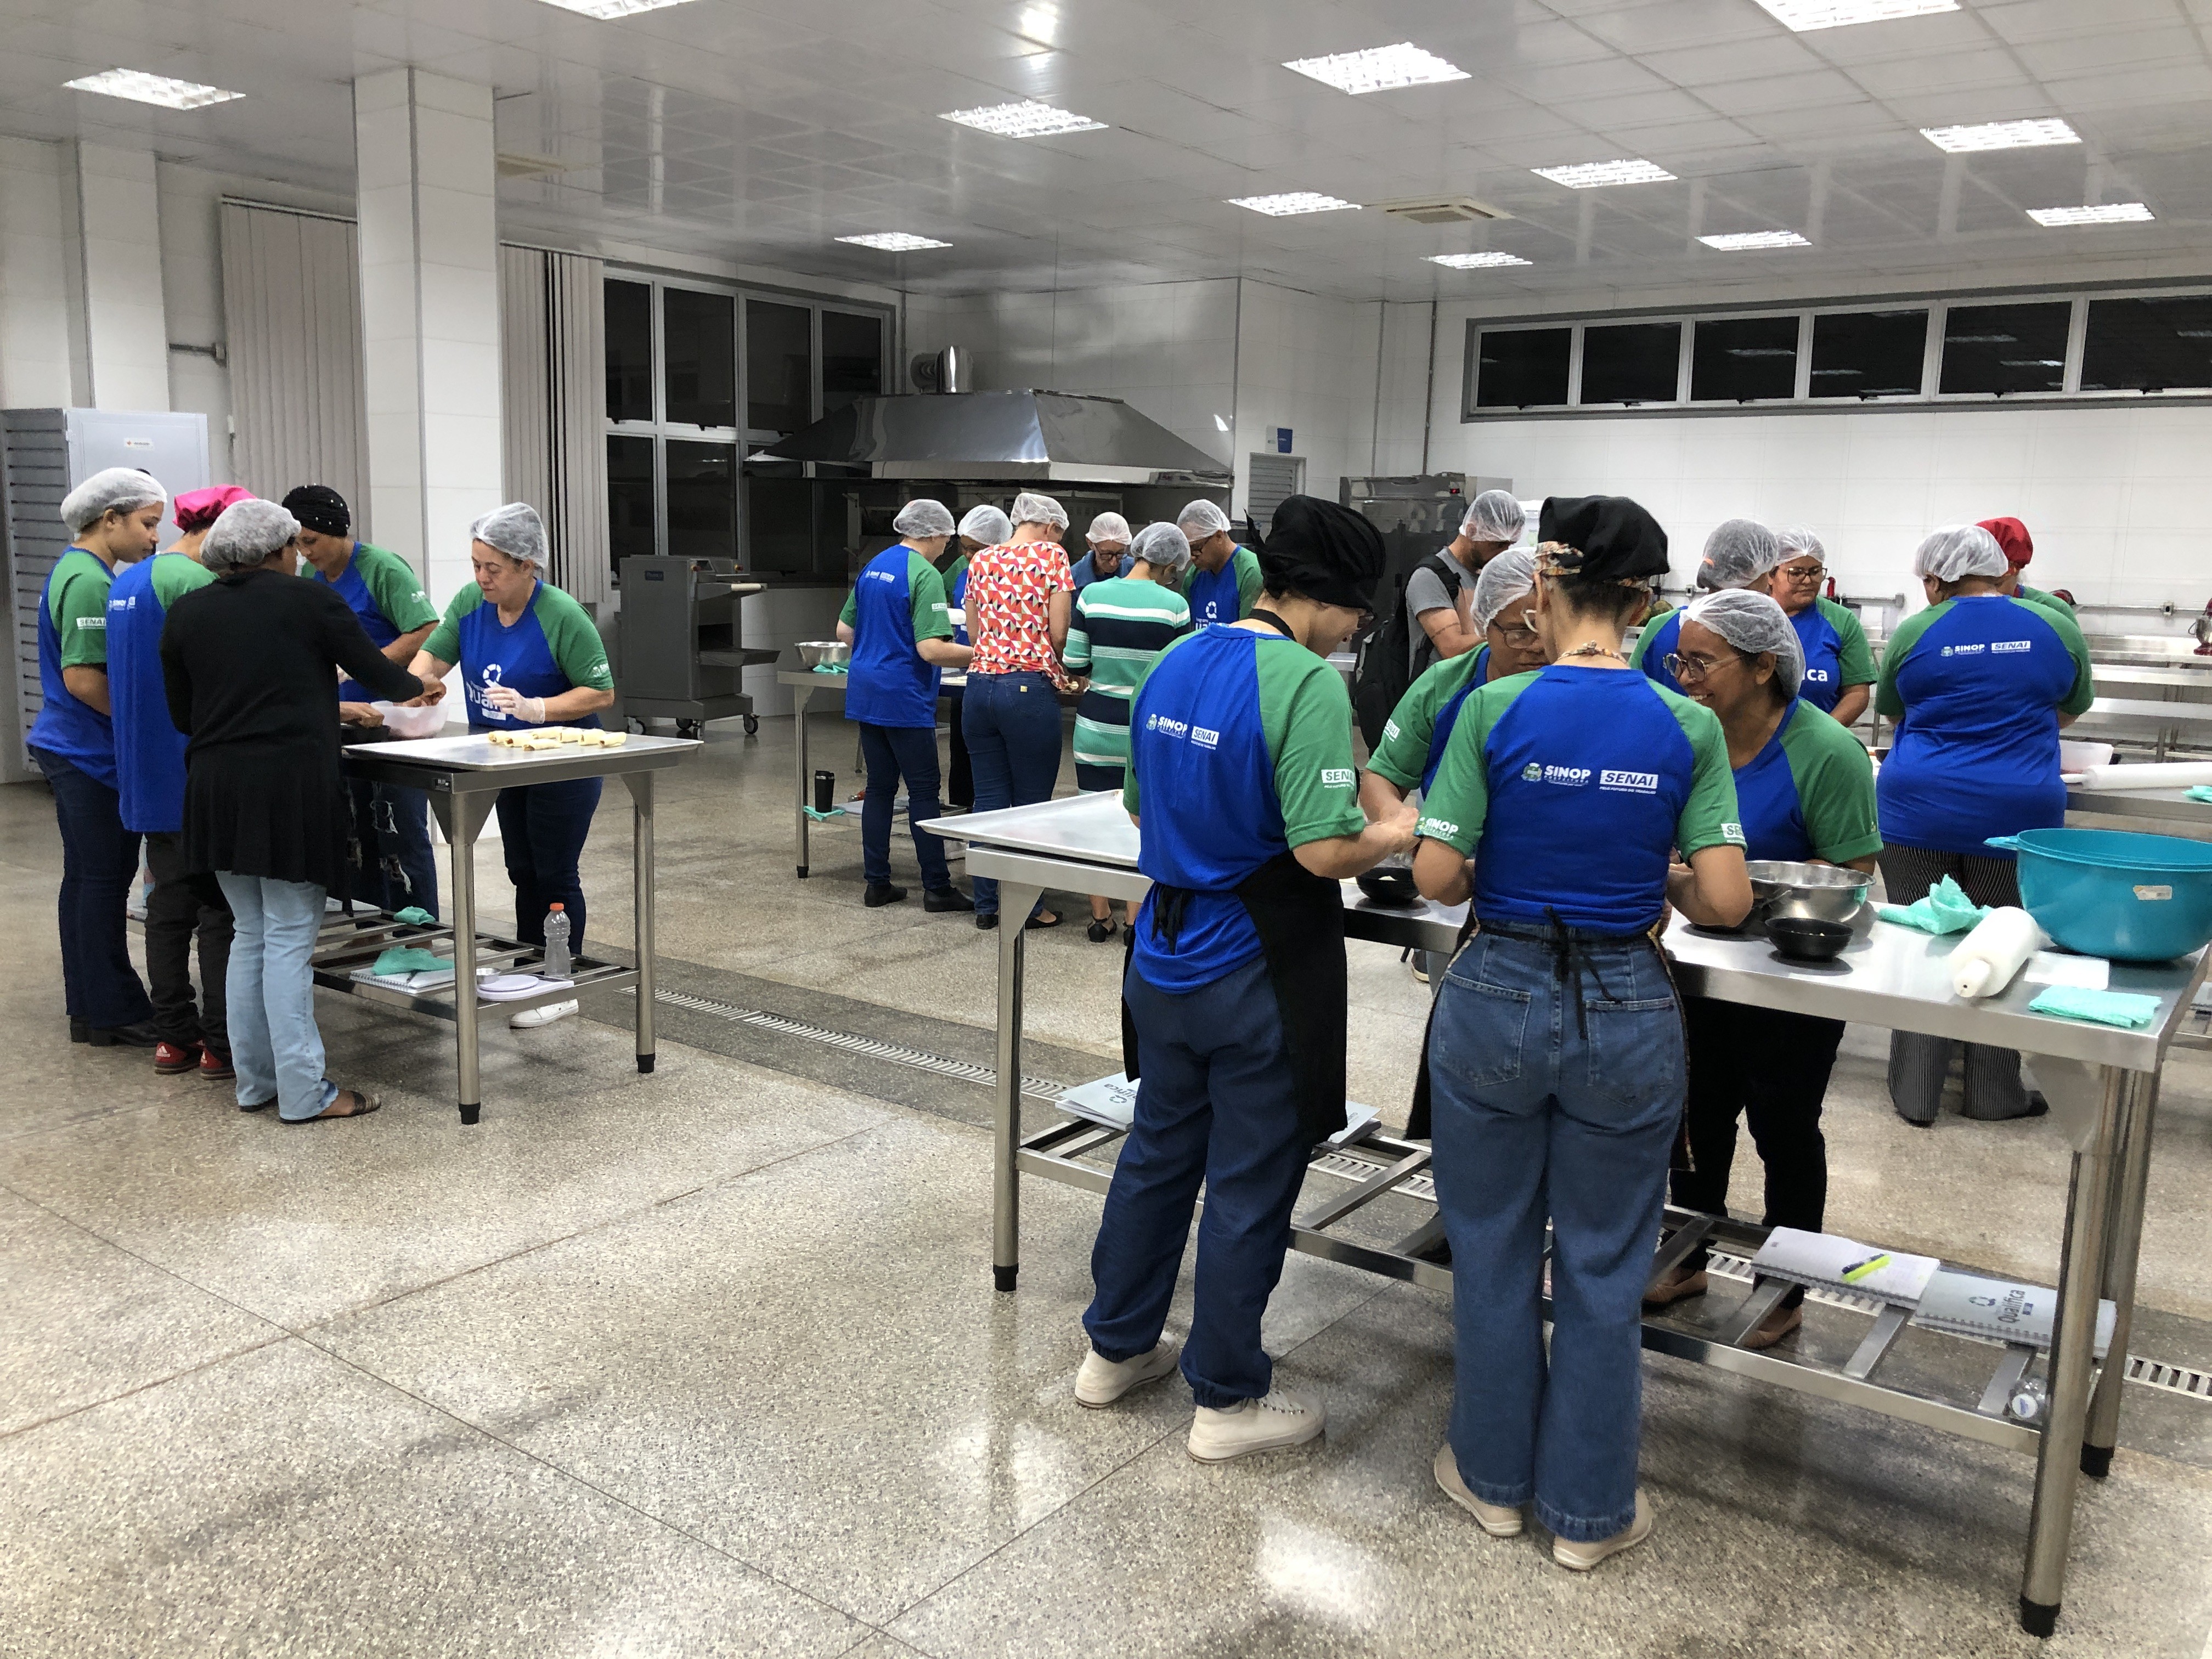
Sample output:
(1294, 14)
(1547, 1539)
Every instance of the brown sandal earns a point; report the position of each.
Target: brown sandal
(362, 1105)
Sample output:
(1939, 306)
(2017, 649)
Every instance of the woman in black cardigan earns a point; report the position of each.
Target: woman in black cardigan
(247, 663)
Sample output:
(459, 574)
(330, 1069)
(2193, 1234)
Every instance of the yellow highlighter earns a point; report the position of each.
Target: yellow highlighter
(1859, 1270)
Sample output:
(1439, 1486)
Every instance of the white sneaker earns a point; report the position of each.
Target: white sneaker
(531, 1017)
(1580, 1558)
(1278, 1419)
(1102, 1380)
(1497, 1520)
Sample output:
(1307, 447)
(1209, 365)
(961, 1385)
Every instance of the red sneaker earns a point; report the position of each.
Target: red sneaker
(215, 1066)
(171, 1058)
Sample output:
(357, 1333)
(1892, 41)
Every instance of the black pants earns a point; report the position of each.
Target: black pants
(99, 860)
(960, 778)
(1771, 1068)
(1917, 1064)
(179, 907)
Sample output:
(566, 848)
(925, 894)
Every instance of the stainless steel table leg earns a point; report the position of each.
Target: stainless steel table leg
(2132, 1178)
(461, 815)
(799, 696)
(2080, 1281)
(641, 795)
(1015, 901)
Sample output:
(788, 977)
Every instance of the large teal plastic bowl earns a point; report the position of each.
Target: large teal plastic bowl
(2114, 892)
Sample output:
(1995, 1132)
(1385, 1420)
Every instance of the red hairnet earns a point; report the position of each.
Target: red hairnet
(199, 508)
(2012, 536)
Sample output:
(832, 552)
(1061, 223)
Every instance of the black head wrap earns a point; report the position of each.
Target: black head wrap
(1327, 553)
(1618, 540)
(320, 508)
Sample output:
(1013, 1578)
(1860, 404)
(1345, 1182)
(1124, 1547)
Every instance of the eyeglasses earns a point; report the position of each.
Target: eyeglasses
(1804, 573)
(1686, 669)
(1519, 638)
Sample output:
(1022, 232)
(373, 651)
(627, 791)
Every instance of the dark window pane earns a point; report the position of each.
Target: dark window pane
(2005, 347)
(629, 351)
(852, 359)
(703, 500)
(1631, 363)
(1516, 367)
(697, 334)
(1868, 354)
(2147, 345)
(1733, 358)
(779, 367)
(629, 498)
(779, 518)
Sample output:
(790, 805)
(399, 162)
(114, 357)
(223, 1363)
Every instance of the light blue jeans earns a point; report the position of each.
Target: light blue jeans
(274, 1043)
(1557, 1089)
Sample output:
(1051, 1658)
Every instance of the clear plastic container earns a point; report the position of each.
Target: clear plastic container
(555, 965)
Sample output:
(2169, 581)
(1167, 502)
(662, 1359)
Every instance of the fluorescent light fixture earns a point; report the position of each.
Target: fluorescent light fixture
(2112, 213)
(893, 241)
(1220, 425)
(1747, 241)
(1040, 24)
(1293, 200)
(1027, 120)
(1804, 16)
(607, 10)
(1378, 69)
(1476, 261)
(2000, 135)
(2033, 363)
(1593, 175)
(143, 88)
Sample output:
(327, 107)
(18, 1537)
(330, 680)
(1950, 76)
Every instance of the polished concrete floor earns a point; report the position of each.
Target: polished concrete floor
(708, 1362)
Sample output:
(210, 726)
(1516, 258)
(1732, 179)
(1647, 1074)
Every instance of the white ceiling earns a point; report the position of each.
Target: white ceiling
(758, 132)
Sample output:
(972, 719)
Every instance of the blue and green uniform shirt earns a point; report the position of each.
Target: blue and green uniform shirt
(382, 589)
(552, 647)
(73, 634)
(149, 751)
(1414, 736)
(1225, 595)
(1809, 792)
(1837, 654)
(897, 602)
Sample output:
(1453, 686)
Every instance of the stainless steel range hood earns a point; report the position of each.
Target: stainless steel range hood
(1060, 436)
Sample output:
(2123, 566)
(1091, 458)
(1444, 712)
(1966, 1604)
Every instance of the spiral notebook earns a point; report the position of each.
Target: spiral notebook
(1965, 1304)
(1829, 1262)
(1111, 1103)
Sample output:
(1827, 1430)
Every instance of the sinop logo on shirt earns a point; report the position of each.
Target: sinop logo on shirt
(1568, 777)
(1964, 650)
(1532, 773)
(1643, 783)
(1438, 829)
(1336, 777)
(1174, 728)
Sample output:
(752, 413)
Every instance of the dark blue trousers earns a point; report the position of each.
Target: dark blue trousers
(394, 864)
(1013, 742)
(892, 752)
(542, 828)
(99, 860)
(1214, 1103)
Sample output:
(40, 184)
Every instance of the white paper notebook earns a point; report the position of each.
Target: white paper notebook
(1965, 1304)
(1844, 1264)
(1111, 1103)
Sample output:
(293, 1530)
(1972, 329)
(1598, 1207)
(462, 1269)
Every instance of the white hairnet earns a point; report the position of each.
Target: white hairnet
(1798, 541)
(923, 518)
(1162, 546)
(1505, 579)
(244, 534)
(1751, 622)
(987, 524)
(516, 529)
(1737, 553)
(1494, 516)
(1200, 520)
(115, 489)
(1108, 528)
(1030, 507)
(1958, 550)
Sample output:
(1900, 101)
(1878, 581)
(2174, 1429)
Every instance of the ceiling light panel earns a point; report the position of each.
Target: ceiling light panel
(2112, 213)
(1476, 261)
(1595, 175)
(893, 241)
(1027, 120)
(608, 10)
(1379, 69)
(2000, 135)
(1293, 200)
(1746, 241)
(143, 88)
(1805, 15)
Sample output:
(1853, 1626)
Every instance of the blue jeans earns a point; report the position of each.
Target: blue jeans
(1557, 1094)
(394, 864)
(1013, 723)
(541, 828)
(893, 752)
(1215, 1101)
(99, 860)
(274, 1041)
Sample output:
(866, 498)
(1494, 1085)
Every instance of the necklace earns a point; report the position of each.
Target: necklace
(1593, 649)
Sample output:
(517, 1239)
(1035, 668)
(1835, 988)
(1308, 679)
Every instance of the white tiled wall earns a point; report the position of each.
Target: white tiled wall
(1307, 363)
(191, 294)
(35, 331)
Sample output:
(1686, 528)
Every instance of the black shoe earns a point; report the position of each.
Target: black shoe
(987, 924)
(80, 1031)
(879, 897)
(1101, 928)
(938, 900)
(141, 1035)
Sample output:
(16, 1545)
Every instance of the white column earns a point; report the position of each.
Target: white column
(429, 315)
(121, 353)
(34, 252)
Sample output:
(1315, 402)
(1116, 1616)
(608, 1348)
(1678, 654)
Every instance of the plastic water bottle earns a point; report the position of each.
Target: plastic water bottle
(555, 965)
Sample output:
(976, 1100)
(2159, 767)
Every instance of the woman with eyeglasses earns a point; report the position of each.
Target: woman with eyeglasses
(1805, 787)
(1838, 662)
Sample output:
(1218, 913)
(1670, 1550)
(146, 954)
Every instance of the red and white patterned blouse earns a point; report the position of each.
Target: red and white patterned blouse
(1009, 588)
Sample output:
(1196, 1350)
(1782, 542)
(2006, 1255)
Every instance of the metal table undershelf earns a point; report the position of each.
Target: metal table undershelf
(463, 777)
(2102, 1083)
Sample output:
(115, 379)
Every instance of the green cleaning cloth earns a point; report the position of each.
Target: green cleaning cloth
(824, 817)
(2127, 1009)
(2201, 792)
(409, 959)
(829, 667)
(1946, 909)
(415, 916)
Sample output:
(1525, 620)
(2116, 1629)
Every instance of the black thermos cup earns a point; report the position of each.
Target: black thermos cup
(825, 787)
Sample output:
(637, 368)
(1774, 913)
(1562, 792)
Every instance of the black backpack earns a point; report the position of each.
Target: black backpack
(1386, 669)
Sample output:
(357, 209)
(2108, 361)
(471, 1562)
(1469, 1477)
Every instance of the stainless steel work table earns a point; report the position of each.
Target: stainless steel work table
(2169, 804)
(2102, 1082)
(463, 777)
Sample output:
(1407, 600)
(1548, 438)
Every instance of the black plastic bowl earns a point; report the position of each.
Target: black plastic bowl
(1389, 885)
(1804, 940)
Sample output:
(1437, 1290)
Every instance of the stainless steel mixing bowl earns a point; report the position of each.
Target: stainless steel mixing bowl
(1809, 892)
(812, 653)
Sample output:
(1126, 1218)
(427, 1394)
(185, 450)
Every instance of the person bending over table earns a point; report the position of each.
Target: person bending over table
(1979, 684)
(1740, 553)
(896, 621)
(1555, 1053)
(528, 656)
(1223, 583)
(1109, 539)
(1805, 787)
(247, 663)
(1241, 783)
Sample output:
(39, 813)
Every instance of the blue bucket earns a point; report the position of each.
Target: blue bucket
(2114, 892)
